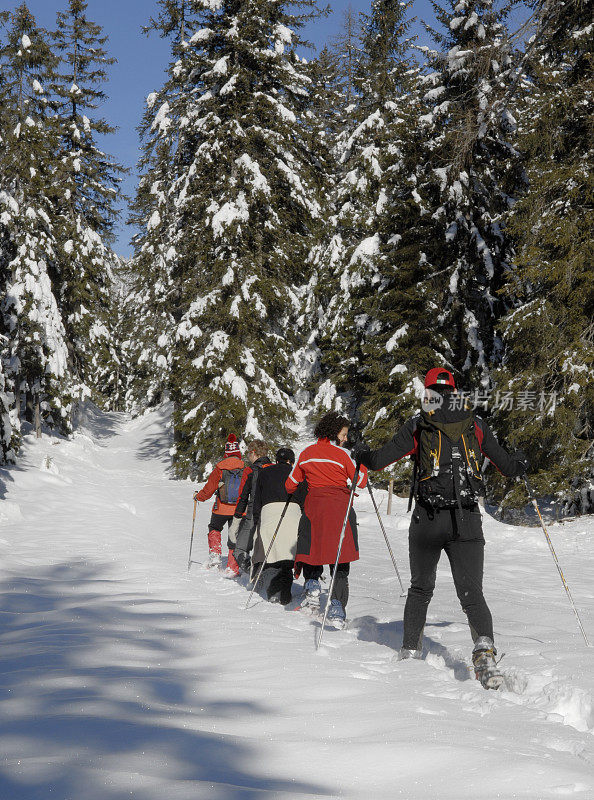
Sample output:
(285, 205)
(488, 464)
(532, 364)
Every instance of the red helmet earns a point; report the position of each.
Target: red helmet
(232, 446)
(439, 377)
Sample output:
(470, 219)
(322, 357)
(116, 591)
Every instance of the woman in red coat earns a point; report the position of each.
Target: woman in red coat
(328, 469)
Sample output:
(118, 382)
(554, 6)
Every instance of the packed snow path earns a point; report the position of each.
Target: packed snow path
(123, 677)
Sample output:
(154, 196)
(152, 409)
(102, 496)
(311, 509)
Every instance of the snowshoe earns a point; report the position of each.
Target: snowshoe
(336, 614)
(213, 561)
(405, 653)
(232, 570)
(310, 602)
(230, 573)
(485, 666)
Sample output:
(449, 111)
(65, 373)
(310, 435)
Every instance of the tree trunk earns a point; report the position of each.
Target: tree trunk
(37, 416)
(17, 397)
(29, 414)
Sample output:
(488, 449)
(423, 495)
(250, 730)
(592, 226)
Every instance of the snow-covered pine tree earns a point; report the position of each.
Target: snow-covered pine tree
(327, 254)
(9, 420)
(244, 203)
(404, 338)
(7, 438)
(155, 278)
(326, 122)
(327, 98)
(346, 49)
(88, 182)
(469, 175)
(8, 210)
(117, 380)
(414, 330)
(35, 366)
(356, 258)
(549, 335)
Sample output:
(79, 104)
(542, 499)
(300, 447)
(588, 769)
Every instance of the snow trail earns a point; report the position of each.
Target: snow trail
(123, 676)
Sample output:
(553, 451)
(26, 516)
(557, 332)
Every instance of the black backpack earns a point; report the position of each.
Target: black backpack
(447, 470)
(228, 490)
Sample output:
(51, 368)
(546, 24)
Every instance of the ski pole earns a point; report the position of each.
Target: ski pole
(192, 536)
(263, 564)
(379, 519)
(342, 532)
(552, 549)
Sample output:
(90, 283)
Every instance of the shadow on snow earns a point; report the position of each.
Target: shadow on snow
(156, 446)
(389, 634)
(95, 703)
(100, 424)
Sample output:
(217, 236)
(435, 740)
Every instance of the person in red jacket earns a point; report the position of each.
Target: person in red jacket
(224, 482)
(328, 469)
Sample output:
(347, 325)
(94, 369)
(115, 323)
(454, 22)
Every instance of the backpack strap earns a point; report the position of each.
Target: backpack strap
(415, 475)
(461, 518)
(413, 485)
(457, 456)
(478, 431)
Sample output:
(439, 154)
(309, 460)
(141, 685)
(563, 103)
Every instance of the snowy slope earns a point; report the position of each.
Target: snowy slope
(123, 677)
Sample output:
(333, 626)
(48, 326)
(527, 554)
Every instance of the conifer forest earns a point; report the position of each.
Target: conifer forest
(314, 230)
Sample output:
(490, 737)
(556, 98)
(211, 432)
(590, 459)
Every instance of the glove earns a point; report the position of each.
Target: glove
(522, 459)
(196, 498)
(359, 452)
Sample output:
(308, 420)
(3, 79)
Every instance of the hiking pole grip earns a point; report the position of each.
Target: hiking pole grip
(532, 497)
(263, 564)
(192, 536)
(340, 541)
(379, 519)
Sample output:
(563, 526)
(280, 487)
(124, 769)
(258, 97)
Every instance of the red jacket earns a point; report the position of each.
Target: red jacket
(212, 484)
(324, 464)
(328, 469)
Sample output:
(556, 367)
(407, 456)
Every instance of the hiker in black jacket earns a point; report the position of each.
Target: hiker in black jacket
(243, 527)
(269, 504)
(446, 443)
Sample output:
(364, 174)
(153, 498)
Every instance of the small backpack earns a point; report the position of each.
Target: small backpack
(447, 467)
(229, 487)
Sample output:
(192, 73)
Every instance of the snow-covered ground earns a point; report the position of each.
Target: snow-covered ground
(124, 677)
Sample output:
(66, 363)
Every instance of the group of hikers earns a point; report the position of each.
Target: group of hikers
(298, 508)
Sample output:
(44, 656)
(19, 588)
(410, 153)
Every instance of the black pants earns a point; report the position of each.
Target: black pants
(341, 584)
(217, 521)
(282, 580)
(431, 532)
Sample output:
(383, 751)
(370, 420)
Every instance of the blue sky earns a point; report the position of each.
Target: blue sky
(141, 64)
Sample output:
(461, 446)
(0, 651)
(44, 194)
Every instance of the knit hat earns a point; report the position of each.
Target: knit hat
(285, 454)
(439, 377)
(232, 445)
